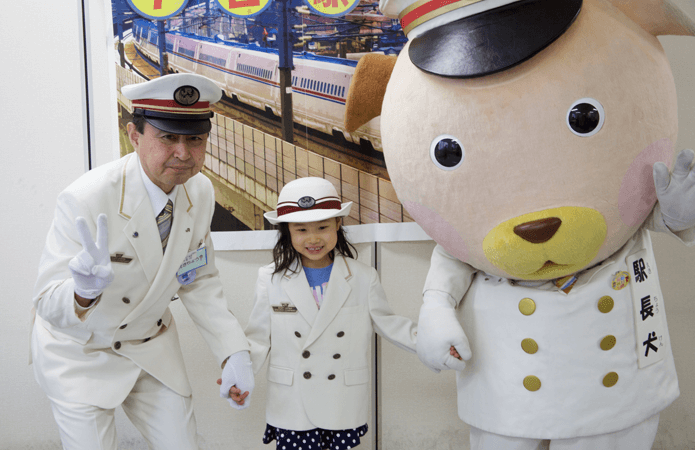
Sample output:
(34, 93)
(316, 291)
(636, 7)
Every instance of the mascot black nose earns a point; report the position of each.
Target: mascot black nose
(538, 231)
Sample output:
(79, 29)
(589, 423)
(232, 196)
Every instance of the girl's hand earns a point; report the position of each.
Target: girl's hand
(454, 353)
(235, 393)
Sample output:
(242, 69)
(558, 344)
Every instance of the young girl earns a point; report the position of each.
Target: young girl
(315, 313)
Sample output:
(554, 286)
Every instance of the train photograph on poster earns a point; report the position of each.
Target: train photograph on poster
(251, 151)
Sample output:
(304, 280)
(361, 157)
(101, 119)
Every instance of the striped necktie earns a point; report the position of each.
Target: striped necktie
(164, 223)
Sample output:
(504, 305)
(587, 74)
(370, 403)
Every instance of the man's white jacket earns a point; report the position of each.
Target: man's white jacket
(95, 358)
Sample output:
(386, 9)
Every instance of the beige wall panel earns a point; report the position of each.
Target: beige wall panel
(418, 406)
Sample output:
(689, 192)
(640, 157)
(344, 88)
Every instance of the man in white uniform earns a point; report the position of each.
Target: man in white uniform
(103, 333)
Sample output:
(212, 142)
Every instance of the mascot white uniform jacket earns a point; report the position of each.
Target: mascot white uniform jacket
(96, 359)
(554, 364)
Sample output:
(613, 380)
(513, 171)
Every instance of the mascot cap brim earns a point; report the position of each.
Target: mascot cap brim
(494, 40)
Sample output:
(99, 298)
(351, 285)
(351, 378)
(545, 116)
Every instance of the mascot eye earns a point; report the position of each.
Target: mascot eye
(585, 117)
(446, 152)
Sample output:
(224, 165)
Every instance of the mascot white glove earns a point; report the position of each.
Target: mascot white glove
(437, 330)
(237, 372)
(676, 191)
(91, 267)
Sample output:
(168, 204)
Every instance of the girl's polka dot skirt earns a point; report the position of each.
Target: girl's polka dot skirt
(316, 439)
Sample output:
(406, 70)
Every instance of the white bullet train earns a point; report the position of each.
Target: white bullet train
(250, 74)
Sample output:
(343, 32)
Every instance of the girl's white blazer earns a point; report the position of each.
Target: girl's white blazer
(318, 373)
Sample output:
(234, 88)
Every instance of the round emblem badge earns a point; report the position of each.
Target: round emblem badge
(306, 202)
(186, 95)
(620, 280)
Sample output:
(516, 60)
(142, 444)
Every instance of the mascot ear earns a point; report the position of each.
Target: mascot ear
(367, 89)
(660, 17)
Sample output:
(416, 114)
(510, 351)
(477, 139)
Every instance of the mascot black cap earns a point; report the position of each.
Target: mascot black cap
(473, 38)
(178, 103)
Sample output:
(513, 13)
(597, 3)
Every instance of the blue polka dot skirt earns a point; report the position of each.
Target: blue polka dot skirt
(316, 439)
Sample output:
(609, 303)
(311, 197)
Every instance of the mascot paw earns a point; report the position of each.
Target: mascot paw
(441, 344)
(676, 191)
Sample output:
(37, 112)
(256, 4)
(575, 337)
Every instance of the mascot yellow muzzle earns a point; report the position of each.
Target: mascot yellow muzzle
(546, 244)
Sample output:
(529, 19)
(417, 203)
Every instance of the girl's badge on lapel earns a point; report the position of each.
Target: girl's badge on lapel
(193, 260)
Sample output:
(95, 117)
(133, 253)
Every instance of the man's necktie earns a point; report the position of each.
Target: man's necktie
(164, 223)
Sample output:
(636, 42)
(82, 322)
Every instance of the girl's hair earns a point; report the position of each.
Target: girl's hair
(284, 254)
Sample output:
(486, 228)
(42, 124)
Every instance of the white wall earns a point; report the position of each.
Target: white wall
(43, 150)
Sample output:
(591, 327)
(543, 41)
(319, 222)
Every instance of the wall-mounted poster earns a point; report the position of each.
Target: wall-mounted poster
(247, 160)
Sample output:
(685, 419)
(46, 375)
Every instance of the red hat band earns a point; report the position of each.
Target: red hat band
(424, 10)
(307, 204)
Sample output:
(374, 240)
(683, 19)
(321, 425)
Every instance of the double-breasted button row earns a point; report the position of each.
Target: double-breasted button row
(605, 305)
(527, 307)
(307, 375)
(122, 327)
(340, 334)
(306, 354)
(117, 345)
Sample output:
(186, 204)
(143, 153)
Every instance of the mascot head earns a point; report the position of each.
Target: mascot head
(521, 134)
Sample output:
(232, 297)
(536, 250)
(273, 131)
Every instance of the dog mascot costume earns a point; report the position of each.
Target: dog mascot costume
(532, 140)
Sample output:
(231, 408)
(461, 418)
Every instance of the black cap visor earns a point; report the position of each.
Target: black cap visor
(188, 124)
(494, 40)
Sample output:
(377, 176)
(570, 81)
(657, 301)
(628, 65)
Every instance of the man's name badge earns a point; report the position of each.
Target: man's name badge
(648, 307)
(193, 260)
(284, 308)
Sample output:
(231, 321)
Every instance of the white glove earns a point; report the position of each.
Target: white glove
(437, 330)
(676, 191)
(237, 372)
(91, 267)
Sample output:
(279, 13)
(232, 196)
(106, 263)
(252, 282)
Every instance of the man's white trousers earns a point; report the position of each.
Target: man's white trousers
(164, 418)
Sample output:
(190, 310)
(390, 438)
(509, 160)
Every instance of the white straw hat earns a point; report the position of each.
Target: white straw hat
(309, 199)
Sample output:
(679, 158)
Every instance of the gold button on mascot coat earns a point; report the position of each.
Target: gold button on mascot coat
(533, 140)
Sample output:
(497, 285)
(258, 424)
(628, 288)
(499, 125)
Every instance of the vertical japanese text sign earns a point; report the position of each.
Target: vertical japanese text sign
(157, 9)
(650, 323)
